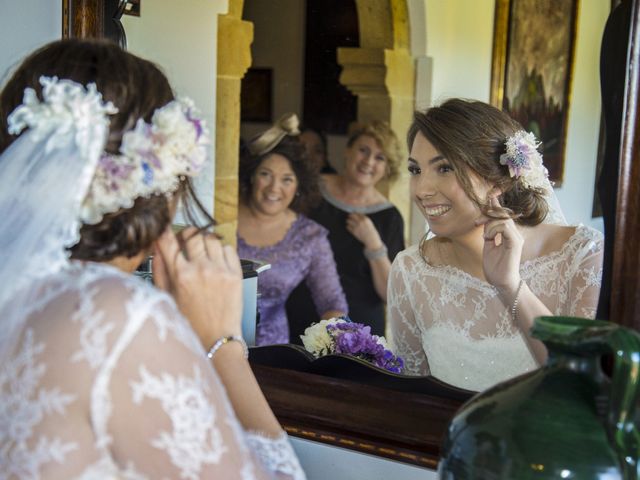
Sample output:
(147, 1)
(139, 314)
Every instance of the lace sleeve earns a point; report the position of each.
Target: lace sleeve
(276, 455)
(405, 337)
(585, 276)
(323, 280)
(165, 413)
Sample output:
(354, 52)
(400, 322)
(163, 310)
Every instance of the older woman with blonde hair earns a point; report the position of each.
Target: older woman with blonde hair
(365, 229)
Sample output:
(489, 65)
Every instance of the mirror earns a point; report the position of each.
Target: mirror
(282, 55)
(393, 422)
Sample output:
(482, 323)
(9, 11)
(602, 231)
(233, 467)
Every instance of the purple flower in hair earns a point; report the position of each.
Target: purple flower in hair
(524, 160)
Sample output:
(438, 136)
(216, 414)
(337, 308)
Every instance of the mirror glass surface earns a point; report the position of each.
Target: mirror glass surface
(181, 37)
(458, 55)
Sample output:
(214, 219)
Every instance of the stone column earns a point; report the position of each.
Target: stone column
(383, 81)
(234, 58)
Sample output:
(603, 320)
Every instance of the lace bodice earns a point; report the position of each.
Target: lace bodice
(454, 326)
(108, 380)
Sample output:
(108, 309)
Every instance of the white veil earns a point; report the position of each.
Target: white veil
(554, 215)
(44, 176)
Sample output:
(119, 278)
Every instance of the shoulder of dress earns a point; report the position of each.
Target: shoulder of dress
(409, 255)
(310, 228)
(397, 216)
(112, 282)
(589, 237)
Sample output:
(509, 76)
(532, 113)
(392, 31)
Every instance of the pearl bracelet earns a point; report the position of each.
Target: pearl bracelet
(374, 254)
(224, 340)
(514, 307)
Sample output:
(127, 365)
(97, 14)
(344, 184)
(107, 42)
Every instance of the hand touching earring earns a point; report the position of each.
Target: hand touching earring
(190, 267)
(502, 252)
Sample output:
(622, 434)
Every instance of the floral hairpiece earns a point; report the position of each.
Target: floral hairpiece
(152, 157)
(525, 162)
(68, 107)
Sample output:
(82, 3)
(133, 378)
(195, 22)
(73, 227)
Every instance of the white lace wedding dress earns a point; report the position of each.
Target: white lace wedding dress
(446, 323)
(108, 380)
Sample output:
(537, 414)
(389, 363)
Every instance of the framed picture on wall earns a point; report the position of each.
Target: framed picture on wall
(533, 52)
(132, 7)
(256, 95)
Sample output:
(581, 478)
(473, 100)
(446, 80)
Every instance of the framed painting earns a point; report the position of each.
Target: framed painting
(533, 51)
(132, 7)
(256, 95)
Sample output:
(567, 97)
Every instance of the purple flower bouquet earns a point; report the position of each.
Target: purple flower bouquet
(342, 336)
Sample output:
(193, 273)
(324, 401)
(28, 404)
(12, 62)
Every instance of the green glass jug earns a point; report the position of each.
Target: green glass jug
(566, 420)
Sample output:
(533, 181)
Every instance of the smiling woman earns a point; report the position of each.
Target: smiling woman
(277, 184)
(365, 229)
(462, 303)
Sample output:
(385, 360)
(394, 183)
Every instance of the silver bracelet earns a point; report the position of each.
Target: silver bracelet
(374, 254)
(514, 307)
(231, 338)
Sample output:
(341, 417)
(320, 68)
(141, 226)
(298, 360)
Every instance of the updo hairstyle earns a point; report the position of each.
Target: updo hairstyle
(472, 135)
(137, 88)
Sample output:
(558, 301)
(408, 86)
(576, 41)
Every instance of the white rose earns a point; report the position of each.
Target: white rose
(317, 340)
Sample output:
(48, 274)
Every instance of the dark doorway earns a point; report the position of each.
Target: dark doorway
(328, 106)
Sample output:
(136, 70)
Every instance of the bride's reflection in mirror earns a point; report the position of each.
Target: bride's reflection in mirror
(461, 303)
(567, 192)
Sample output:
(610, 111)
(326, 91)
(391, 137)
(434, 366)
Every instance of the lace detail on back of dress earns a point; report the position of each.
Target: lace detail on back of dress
(445, 322)
(109, 381)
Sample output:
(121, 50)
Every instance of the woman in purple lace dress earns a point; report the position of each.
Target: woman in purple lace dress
(276, 185)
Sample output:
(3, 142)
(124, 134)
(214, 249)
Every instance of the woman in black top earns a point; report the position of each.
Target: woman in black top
(365, 230)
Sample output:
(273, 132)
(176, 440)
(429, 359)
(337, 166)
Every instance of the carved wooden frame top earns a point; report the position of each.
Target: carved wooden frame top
(409, 427)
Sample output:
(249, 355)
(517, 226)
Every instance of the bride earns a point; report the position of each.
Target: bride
(101, 374)
(462, 302)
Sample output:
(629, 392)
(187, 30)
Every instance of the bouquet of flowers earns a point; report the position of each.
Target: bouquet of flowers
(339, 335)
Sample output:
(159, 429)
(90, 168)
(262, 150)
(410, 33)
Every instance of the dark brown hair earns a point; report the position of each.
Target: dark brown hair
(137, 88)
(472, 135)
(291, 148)
(385, 138)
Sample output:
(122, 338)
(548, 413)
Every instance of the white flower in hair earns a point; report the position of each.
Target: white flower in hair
(525, 162)
(67, 108)
(153, 159)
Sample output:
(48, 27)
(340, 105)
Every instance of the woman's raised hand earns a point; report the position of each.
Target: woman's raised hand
(361, 227)
(502, 252)
(205, 279)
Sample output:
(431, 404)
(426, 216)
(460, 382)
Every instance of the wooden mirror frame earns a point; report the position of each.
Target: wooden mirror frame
(398, 425)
